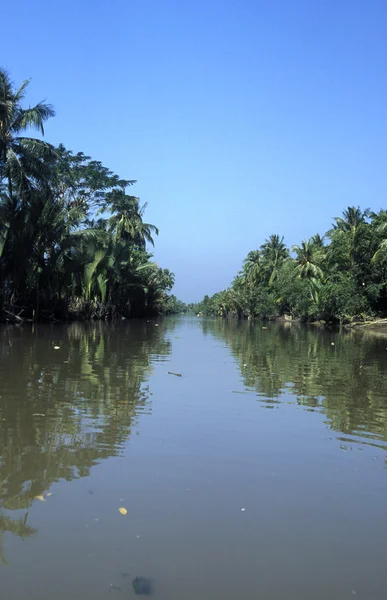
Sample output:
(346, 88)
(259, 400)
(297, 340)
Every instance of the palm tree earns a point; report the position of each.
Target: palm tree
(56, 254)
(23, 160)
(352, 218)
(252, 267)
(379, 225)
(157, 282)
(317, 240)
(127, 222)
(345, 234)
(307, 261)
(274, 253)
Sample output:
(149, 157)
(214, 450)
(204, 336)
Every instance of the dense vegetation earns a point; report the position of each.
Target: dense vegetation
(73, 242)
(335, 278)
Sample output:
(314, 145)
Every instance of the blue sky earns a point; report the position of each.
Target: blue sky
(238, 119)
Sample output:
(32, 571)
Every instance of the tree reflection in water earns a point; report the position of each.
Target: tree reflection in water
(63, 411)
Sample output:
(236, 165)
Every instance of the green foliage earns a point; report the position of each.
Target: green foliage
(293, 293)
(341, 300)
(72, 241)
(170, 305)
(336, 282)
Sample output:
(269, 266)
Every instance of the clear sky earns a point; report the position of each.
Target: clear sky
(238, 118)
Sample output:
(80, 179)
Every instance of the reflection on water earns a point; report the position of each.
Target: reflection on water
(222, 499)
(69, 395)
(342, 375)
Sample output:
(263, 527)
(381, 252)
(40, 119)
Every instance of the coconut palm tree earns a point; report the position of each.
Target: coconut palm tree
(351, 220)
(346, 235)
(23, 160)
(274, 252)
(127, 222)
(379, 225)
(252, 268)
(317, 240)
(307, 261)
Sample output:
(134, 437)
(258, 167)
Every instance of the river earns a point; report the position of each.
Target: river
(258, 473)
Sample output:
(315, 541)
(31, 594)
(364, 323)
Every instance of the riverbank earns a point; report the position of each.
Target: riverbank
(371, 324)
(90, 312)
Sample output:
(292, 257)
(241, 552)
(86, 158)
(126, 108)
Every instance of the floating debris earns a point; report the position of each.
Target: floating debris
(175, 374)
(142, 586)
(41, 498)
(243, 509)
(38, 415)
(56, 347)
(332, 343)
(123, 510)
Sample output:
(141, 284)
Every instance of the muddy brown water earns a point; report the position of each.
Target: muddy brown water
(259, 473)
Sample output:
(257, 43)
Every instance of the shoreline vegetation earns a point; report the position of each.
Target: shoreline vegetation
(339, 278)
(73, 241)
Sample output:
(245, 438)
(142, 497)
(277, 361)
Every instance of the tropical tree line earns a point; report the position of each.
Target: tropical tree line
(73, 241)
(338, 277)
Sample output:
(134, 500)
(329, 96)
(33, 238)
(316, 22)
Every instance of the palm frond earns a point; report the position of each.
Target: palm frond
(20, 94)
(32, 117)
(89, 271)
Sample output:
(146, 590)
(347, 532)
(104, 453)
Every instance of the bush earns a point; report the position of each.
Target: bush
(340, 301)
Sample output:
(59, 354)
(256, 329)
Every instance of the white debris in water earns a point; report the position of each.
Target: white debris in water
(243, 509)
(56, 347)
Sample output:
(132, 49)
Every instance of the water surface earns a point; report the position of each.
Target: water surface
(259, 473)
